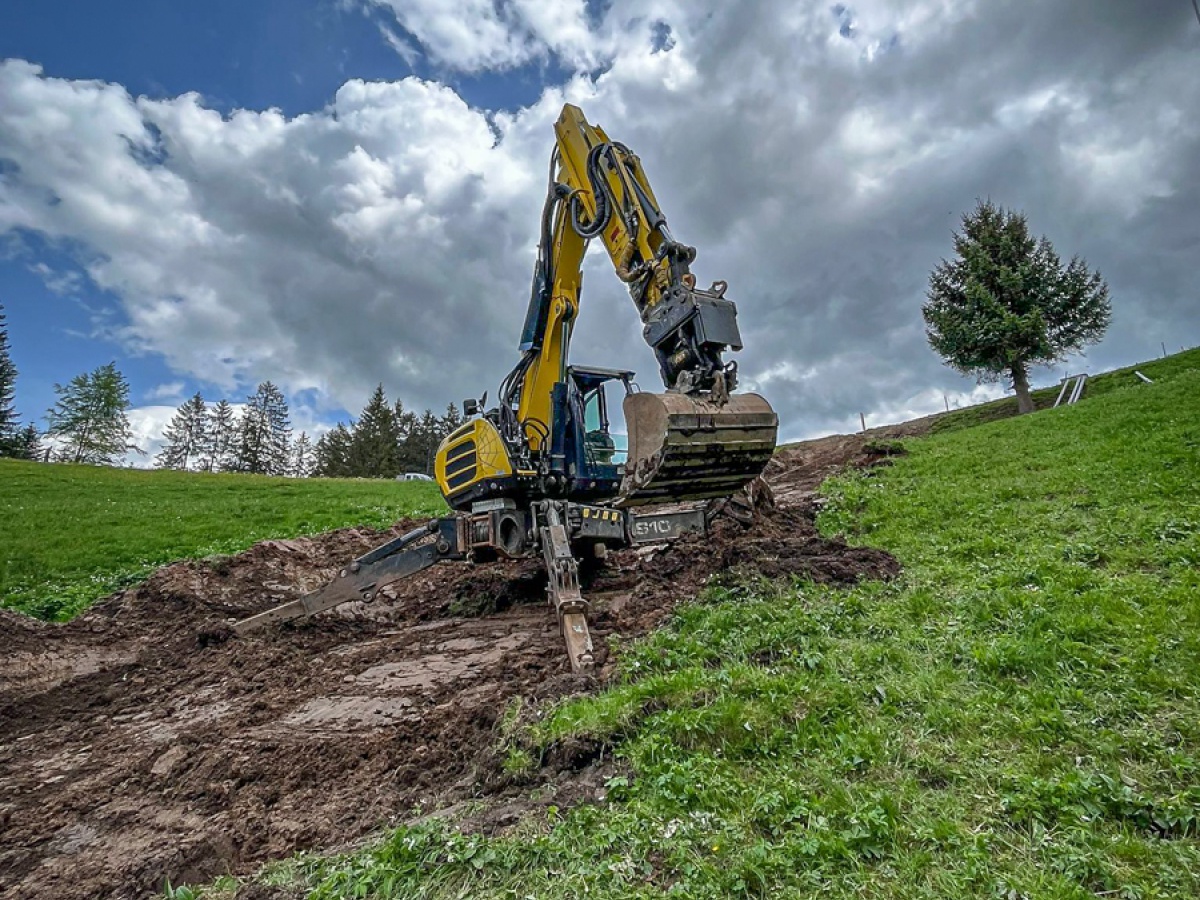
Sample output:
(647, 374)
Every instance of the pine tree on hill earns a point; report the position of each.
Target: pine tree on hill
(187, 437)
(332, 453)
(220, 433)
(374, 450)
(405, 422)
(280, 431)
(451, 420)
(89, 418)
(10, 428)
(264, 433)
(422, 441)
(1007, 302)
(28, 443)
(303, 457)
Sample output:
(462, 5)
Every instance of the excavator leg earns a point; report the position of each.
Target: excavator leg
(362, 579)
(563, 588)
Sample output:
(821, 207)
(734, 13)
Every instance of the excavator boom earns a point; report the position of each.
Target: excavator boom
(694, 442)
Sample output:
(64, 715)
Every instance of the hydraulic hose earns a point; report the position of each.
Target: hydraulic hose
(589, 230)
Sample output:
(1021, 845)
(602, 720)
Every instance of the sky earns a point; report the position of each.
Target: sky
(336, 194)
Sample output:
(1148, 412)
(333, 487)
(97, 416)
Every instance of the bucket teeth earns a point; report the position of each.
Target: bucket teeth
(683, 447)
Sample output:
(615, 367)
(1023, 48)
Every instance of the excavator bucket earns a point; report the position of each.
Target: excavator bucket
(683, 447)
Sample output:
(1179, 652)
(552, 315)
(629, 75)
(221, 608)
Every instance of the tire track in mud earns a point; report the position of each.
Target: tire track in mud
(137, 743)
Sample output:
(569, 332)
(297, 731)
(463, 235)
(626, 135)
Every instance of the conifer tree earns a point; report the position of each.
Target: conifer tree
(332, 453)
(374, 450)
(280, 431)
(451, 420)
(422, 440)
(220, 433)
(264, 433)
(1007, 302)
(404, 421)
(89, 418)
(303, 457)
(27, 444)
(187, 437)
(10, 429)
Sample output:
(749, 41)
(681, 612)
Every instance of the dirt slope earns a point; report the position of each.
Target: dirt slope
(139, 742)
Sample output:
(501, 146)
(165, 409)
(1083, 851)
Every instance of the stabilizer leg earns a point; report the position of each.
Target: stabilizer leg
(362, 579)
(572, 609)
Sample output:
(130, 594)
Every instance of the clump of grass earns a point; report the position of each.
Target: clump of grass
(879, 447)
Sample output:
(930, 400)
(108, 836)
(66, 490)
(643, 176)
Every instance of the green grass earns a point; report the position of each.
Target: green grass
(72, 534)
(1043, 398)
(1018, 716)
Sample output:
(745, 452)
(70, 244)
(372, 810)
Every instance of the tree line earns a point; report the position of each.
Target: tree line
(88, 424)
(383, 442)
(258, 440)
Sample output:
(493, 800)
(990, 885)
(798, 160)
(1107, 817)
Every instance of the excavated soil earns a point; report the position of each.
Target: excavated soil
(141, 741)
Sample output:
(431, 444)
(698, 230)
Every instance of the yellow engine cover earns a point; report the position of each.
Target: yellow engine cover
(470, 460)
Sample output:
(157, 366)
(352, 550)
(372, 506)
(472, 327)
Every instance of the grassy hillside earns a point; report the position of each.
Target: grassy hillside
(72, 534)
(1156, 370)
(1017, 717)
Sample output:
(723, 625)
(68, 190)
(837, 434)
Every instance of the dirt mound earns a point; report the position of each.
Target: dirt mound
(141, 742)
(798, 469)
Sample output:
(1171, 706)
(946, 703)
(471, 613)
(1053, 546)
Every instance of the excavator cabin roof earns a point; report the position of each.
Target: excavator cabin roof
(590, 377)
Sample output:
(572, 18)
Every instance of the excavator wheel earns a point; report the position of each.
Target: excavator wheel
(690, 447)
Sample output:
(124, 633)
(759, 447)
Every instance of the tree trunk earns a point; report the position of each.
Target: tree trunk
(1021, 386)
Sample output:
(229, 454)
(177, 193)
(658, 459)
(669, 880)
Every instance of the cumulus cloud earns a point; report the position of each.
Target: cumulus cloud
(818, 157)
(146, 425)
(476, 35)
(171, 390)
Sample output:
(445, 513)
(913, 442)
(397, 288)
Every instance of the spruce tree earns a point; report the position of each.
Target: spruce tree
(451, 420)
(264, 433)
(187, 437)
(405, 424)
(422, 440)
(332, 453)
(374, 450)
(320, 455)
(1007, 302)
(89, 418)
(27, 444)
(220, 444)
(303, 457)
(280, 431)
(10, 428)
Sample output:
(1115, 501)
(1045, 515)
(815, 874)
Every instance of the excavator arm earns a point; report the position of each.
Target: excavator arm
(697, 441)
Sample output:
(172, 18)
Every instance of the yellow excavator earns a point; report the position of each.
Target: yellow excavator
(540, 474)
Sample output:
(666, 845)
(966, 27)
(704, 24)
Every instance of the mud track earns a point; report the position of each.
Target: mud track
(139, 742)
